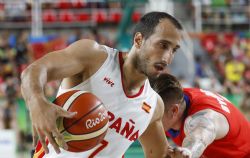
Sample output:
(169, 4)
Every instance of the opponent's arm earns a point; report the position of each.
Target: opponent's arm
(56, 65)
(201, 129)
(153, 140)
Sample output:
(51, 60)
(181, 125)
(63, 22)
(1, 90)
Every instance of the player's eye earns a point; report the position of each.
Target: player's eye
(164, 45)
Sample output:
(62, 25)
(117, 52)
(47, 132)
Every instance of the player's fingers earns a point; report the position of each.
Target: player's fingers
(53, 142)
(63, 113)
(60, 139)
(43, 142)
(182, 153)
(170, 149)
(177, 153)
(170, 154)
(186, 153)
(34, 137)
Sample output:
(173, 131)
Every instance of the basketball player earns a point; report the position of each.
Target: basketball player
(201, 122)
(118, 79)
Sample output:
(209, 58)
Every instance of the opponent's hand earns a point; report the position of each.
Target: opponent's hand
(180, 152)
(170, 151)
(43, 119)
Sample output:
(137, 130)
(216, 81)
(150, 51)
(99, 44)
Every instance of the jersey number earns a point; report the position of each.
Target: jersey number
(102, 145)
(221, 100)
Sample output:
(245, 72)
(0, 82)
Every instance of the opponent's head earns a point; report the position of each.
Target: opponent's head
(156, 38)
(170, 90)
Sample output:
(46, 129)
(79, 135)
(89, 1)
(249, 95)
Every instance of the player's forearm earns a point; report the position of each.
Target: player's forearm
(155, 154)
(196, 146)
(33, 80)
(157, 150)
(200, 131)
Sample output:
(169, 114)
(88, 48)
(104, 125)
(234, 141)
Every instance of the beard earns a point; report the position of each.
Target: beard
(142, 65)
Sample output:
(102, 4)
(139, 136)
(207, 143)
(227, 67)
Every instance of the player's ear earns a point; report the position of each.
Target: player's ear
(138, 39)
(175, 110)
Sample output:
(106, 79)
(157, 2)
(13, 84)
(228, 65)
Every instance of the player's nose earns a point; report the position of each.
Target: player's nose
(168, 57)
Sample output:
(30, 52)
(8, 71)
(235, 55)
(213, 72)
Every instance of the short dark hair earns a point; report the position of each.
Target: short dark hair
(149, 21)
(169, 88)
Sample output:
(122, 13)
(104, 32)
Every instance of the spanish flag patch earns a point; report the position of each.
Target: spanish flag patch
(146, 107)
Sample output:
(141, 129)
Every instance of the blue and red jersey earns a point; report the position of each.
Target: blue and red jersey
(236, 144)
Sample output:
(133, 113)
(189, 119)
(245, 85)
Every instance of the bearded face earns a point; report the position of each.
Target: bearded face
(157, 51)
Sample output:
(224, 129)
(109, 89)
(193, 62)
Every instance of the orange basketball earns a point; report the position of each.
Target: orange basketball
(89, 126)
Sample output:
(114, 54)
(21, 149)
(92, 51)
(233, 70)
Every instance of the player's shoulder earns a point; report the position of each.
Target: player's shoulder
(210, 119)
(87, 50)
(86, 45)
(199, 118)
(160, 104)
(201, 113)
(206, 115)
(152, 93)
(159, 109)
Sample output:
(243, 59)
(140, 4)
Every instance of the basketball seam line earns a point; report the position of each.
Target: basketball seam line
(89, 138)
(78, 95)
(74, 147)
(65, 100)
(69, 108)
(85, 139)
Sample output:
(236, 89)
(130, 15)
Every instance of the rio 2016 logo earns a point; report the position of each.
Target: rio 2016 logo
(90, 123)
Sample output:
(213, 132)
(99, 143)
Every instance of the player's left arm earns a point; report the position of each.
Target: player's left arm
(153, 140)
(201, 129)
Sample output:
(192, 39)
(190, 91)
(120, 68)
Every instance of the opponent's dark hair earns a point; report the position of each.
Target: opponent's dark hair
(149, 21)
(169, 88)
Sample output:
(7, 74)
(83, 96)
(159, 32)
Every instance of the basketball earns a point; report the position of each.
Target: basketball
(89, 126)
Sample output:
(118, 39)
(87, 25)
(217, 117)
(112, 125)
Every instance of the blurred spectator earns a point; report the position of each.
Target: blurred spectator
(9, 109)
(8, 61)
(237, 48)
(220, 54)
(8, 116)
(11, 89)
(245, 105)
(21, 49)
(4, 39)
(231, 57)
(99, 37)
(234, 69)
(2, 11)
(199, 67)
(205, 77)
(23, 56)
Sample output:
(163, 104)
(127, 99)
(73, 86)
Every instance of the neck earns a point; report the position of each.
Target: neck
(183, 112)
(181, 119)
(132, 78)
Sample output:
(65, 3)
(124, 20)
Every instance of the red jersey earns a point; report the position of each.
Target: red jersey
(236, 144)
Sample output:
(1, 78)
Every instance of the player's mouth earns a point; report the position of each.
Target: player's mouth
(160, 66)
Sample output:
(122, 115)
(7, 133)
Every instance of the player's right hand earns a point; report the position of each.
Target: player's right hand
(43, 117)
(180, 152)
